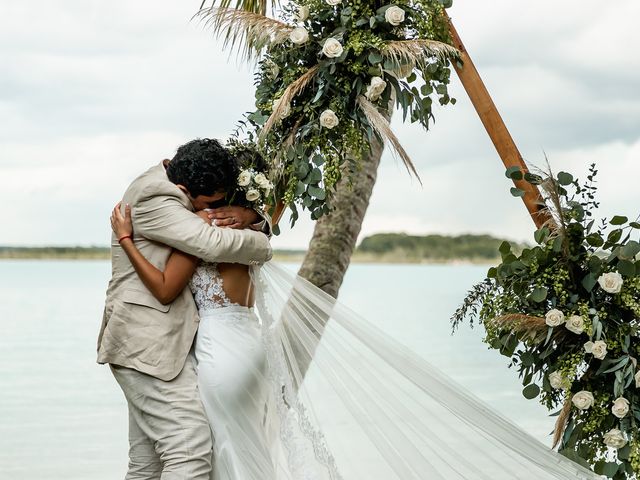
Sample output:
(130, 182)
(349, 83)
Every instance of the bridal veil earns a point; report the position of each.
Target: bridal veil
(348, 402)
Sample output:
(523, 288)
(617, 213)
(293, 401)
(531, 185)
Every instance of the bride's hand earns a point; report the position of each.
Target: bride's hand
(121, 225)
(205, 215)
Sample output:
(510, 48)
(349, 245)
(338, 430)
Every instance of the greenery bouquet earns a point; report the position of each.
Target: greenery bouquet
(567, 314)
(328, 74)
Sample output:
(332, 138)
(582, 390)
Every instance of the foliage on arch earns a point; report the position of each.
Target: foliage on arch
(567, 313)
(329, 71)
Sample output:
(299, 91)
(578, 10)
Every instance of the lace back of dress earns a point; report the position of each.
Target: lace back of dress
(207, 287)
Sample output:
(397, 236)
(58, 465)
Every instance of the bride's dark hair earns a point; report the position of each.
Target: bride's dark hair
(204, 166)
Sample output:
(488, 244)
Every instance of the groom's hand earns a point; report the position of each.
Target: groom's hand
(233, 216)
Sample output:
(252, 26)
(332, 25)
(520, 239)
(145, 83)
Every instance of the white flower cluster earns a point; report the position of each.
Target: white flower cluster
(255, 185)
(555, 318)
(332, 48)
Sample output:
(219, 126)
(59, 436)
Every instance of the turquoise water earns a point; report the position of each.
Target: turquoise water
(62, 416)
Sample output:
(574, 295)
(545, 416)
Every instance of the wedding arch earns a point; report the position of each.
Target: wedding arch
(329, 75)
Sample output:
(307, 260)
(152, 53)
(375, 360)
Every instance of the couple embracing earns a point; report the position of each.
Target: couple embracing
(217, 388)
(184, 237)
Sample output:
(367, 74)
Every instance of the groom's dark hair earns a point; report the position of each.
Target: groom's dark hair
(203, 166)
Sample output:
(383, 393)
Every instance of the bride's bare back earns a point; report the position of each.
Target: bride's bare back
(237, 283)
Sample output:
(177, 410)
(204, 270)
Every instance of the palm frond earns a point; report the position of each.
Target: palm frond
(561, 422)
(417, 53)
(284, 102)
(255, 6)
(382, 127)
(251, 31)
(528, 326)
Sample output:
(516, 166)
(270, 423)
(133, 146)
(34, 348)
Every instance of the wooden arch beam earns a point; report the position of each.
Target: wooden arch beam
(496, 128)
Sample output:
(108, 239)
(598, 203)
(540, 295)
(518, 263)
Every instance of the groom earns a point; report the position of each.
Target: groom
(146, 343)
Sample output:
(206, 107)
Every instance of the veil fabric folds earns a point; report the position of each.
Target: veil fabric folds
(349, 402)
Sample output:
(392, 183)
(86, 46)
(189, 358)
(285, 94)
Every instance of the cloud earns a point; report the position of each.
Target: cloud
(93, 94)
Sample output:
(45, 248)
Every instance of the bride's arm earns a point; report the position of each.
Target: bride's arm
(164, 285)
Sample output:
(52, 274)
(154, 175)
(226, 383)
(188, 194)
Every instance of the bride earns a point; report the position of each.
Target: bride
(296, 386)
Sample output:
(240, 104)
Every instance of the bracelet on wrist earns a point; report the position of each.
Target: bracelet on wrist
(125, 236)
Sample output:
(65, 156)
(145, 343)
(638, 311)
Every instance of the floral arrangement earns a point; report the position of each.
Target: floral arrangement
(329, 72)
(567, 313)
(253, 188)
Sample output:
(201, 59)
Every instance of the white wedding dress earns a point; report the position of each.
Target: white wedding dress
(303, 388)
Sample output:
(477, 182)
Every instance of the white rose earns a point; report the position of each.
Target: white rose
(244, 178)
(620, 407)
(333, 3)
(614, 438)
(575, 324)
(554, 318)
(611, 282)
(637, 377)
(332, 48)
(394, 15)
(252, 195)
(303, 13)
(583, 400)
(375, 88)
(286, 110)
(588, 347)
(599, 349)
(299, 35)
(261, 180)
(329, 119)
(556, 380)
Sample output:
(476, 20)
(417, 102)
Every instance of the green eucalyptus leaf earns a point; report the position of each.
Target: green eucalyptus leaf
(527, 359)
(595, 240)
(540, 235)
(626, 268)
(532, 178)
(531, 391)
(375, 58)
(303, 170)
(505, 248)
(317, 192)
(539, 294)
(589, 281)
(630, 250)
(565, 178)
(514, 173)
(618, 220)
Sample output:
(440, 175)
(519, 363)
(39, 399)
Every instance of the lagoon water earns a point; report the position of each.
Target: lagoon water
(62, 416)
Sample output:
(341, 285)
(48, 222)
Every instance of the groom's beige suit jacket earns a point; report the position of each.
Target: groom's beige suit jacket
(137, 330)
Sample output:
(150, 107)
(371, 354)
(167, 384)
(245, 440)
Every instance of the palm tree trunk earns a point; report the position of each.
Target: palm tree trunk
(334, 236)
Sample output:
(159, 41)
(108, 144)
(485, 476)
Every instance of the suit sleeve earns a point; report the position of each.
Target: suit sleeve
(164, 218)
(264, 225)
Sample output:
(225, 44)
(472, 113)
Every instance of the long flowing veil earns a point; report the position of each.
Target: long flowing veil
(352, 403)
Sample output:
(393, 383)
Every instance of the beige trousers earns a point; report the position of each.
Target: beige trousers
(169, 435)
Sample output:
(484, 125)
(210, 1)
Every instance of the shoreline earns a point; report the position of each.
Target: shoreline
(279, 257)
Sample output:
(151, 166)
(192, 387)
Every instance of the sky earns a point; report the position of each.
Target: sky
(92, 93)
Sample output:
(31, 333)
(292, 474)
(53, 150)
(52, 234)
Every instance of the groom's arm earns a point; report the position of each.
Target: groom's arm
(164, 219)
